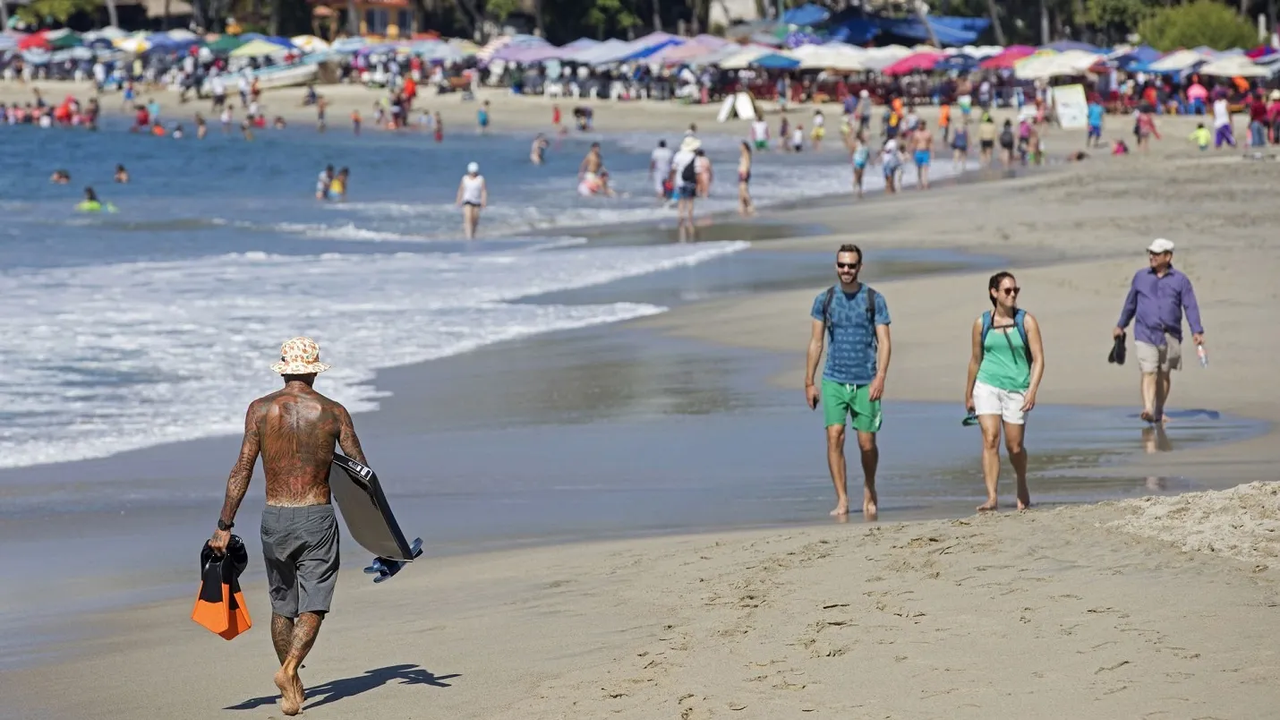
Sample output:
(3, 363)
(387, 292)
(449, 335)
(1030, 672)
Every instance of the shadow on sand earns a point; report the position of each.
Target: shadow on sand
(336, 690)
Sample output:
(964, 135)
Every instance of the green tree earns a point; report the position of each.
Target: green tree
(1116, 17)
(501, 9)
(59, 11)
(605, 13)
(1202, 22)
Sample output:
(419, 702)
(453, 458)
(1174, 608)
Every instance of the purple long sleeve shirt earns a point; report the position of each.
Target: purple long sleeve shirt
(1156, 304)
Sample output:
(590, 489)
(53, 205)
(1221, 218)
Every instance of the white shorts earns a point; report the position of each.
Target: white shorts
(988, 400)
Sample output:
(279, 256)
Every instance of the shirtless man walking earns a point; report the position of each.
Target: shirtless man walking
(589, 170)
(922, 152)
(294, 429)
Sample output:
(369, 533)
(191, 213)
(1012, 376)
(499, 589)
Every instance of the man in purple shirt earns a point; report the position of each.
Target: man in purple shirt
(1156, 300)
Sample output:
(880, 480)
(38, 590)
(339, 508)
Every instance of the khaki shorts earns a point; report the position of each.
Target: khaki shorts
(1159, 357)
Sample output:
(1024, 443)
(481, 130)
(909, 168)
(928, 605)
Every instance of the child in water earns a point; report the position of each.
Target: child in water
(122, 175)
(338, 188)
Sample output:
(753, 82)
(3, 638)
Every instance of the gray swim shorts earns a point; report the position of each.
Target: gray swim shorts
(300, 546)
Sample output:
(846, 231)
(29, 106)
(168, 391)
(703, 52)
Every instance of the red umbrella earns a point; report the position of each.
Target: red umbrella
(34, 41)
(1008, 58)
(918, 62)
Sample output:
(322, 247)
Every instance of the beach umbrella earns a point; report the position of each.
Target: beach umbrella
(348, 45)
(134, 44)
(1008, 58)
(1232, 67)
(743, 58)
(34, 41)
(8, 42)
(917, 62)
(957, 63)
(224, 44)
(1177, 61)
(258, 48)
(776, 61)
(309, 43)
(63, 39)
(1068, 63)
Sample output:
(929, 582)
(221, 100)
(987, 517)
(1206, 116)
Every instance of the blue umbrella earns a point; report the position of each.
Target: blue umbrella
(774, 61)
(958, 63)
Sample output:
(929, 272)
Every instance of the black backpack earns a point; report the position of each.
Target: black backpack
(688, 173)
(1006, 138)
(871, 313)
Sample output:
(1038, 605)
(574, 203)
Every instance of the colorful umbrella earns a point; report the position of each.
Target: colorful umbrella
(917, 62)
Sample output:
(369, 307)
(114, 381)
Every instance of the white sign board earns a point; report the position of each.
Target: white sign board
(1071, 106)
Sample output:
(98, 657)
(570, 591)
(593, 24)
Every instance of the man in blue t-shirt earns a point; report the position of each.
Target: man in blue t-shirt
(1095, 123)
(857, 320)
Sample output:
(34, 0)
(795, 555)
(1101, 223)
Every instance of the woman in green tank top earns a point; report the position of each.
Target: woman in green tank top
(1004, 374)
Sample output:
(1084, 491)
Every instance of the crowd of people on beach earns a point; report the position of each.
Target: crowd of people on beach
(850, 321)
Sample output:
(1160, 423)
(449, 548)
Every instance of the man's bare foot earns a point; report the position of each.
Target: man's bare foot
(1024, 502)
(988, 506)
(869, 502)
(842, 508)
(290, 692)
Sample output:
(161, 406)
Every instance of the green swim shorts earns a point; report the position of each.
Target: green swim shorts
(840, 400)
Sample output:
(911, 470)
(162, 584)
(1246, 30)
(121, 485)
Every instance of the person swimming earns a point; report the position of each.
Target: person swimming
(122, 175)
(91, 203)
(338, 188)
(324, 183)
(539, 149)
(60, 177)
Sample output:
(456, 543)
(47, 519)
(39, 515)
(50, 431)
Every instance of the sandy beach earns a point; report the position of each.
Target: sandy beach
(1155, 607)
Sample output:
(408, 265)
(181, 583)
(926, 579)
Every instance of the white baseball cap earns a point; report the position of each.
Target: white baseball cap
(1160, 245)
(473, 167)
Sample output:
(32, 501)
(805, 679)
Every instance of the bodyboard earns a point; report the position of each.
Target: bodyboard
(368, 517)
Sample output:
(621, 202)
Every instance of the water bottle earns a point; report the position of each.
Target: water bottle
(1203, 355)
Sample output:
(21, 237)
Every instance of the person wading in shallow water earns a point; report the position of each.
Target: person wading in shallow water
(294, 429)
(857, 319)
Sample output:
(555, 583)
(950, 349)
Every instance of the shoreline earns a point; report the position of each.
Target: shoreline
(762, 622)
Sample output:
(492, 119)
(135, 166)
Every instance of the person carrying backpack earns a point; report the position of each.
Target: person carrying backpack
(1004, 374)
(856, 320)
(1006, 143)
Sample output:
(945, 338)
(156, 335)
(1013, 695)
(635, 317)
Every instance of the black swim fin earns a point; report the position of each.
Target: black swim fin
(220, 605)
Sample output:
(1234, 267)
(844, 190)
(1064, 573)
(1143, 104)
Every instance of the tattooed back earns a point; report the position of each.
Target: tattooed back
(297, 429)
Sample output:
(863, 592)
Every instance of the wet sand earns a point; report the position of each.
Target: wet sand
(1156, 607)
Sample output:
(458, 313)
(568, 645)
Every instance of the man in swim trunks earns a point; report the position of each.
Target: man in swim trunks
(294, 429)
(592, 164)
(922, 150)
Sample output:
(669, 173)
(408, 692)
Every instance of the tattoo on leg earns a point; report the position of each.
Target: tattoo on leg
(281, 635)
(305, 629)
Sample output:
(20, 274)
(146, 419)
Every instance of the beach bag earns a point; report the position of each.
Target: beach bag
(1019, 322)
(688, 174)
(871, 313)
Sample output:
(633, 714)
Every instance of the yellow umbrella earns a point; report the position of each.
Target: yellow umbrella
(258, 48)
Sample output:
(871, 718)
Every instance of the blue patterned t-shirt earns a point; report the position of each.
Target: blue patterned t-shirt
(851, 357)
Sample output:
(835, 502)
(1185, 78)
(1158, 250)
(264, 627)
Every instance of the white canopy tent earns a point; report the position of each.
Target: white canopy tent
(1178, 61)
(1069, 63)
(1237, 66)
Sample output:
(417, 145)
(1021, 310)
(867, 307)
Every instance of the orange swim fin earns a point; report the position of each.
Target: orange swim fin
(220, 605)
(212, 606)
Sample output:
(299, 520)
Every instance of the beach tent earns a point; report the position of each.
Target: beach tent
(589, 55)
(225, 44)
(807, 14)
(776, 61)
(916, 62)
(698, 47)
(718, 56)
(1007, 59)
(258, 48)
(1237, 66)
(309, 43)
(1177, 62)
(1068, 63)
(637, 49)
(744, 57)
(836, 56)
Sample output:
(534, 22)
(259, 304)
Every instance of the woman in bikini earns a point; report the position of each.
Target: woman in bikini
(744, 179)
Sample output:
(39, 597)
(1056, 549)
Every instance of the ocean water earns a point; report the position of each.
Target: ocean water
(117, 325)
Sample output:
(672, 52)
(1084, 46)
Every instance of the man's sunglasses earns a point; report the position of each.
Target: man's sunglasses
(848, 266)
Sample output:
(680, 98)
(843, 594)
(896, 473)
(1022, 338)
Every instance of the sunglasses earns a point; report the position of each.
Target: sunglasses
(1011, 291)
(848, 266)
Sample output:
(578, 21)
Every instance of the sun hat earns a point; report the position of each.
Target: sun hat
(299, 356)
(690, 144)
(1160, 245)
(473, 167)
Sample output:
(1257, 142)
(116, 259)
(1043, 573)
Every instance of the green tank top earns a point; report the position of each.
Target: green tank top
(1004, 360)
